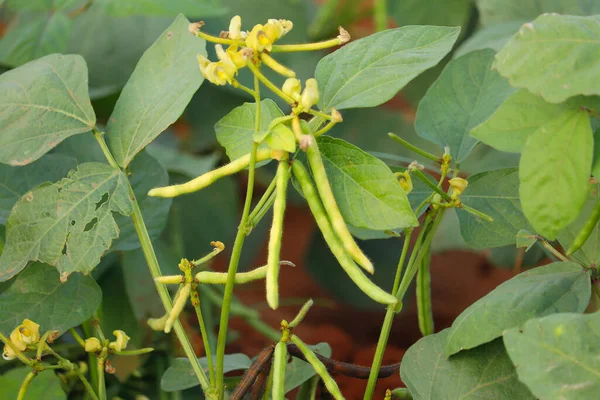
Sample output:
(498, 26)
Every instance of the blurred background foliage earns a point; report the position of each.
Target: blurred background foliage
(113, 34)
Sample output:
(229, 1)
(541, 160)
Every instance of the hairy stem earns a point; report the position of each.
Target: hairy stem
(237, 251)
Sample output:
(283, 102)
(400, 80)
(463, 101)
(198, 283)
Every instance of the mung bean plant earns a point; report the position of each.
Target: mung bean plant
(77, 194)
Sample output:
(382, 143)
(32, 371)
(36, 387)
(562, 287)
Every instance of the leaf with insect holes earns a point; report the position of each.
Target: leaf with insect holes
(38, 294)
(371, 70)
(43, 102)
(558, 357)
(161, 86)
(16, 181)
(482, 373)
(35, 37)
(555, 56)
(553, 288)
(465, 95)
(68, 224)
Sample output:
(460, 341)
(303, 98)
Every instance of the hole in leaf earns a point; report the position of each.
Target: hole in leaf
(64, 250)
(72, 222)
(90, 225)
(103, 200)
(47, 214)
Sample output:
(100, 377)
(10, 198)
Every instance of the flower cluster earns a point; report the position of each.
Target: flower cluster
(25, 335)
(93, 344)
(260, 38)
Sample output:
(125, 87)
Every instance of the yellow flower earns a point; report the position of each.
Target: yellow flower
(277, 28)
(235, 28)
(92, 345)
(258, 40)
(291, 87)
(26, 334)
(458, 186)
(236, 56)
(121, 343)
(8, 353)
(204, 63)
(310, 95)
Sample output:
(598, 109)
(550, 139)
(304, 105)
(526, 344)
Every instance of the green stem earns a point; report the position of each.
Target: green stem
(25, 384)
(87, 331)
(380, 15)
(77, 338)
(414, 148)
(318, 113)
(431, 185)
(154, 267)
(237, 249)
(86, 383)
(195, 300)
(267, 83)
(477, 213)
(552, 250)
(101, 383)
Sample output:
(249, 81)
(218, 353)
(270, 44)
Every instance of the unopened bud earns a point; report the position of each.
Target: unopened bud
(458, 186)
(310, 95)
(235, 28)
(292, 88)
(92, 345)
(336, 116)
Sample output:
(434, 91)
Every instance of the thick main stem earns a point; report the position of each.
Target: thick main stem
(154, 267)
(236, 253)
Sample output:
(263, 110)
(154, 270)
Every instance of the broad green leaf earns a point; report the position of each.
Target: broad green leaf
(180, 376)
(482, 373)
(568, 43)
(282, 138)
(44, 5)
(465, 95)
(448, 237)
(144, 173)
(433, 12)
(201, 8)
(366, 190)
(180, 162)
(297, 372)
(371, 70)
(16, 181)
(522, 114)
(112, 46)
(489, 37)
(32, 121)
(39, 295)
(589, 253)
(68, 224)
(45, 386)
(235, 130)
(558, 357)
(554, 171)
(495, 193)
(140, 286)
(34, 37)
(554, 288)
(495, 11)
(158, 91)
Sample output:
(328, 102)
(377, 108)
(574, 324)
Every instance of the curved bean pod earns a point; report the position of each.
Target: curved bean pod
(357, 276)
(210, 177)
(337, 221)
(586, 231)
(279, 366)
(319, 368)
(283, 175)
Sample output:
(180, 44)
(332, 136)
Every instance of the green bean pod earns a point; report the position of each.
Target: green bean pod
(424, 297)
(220, 278)
(586, 231)
(272, 281)
(278, 370)
(346, 262)
(319, 368)
(337, 220)
(180, 301)
(209, 178)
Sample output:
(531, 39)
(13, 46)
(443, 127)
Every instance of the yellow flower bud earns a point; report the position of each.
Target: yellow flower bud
(310, 95)
(235, 28)
(28, 333)
(92, 345)
(292, 87)
(236, 56)
(8, 353)
(121, 343)
(458, 186)
(436, 200)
